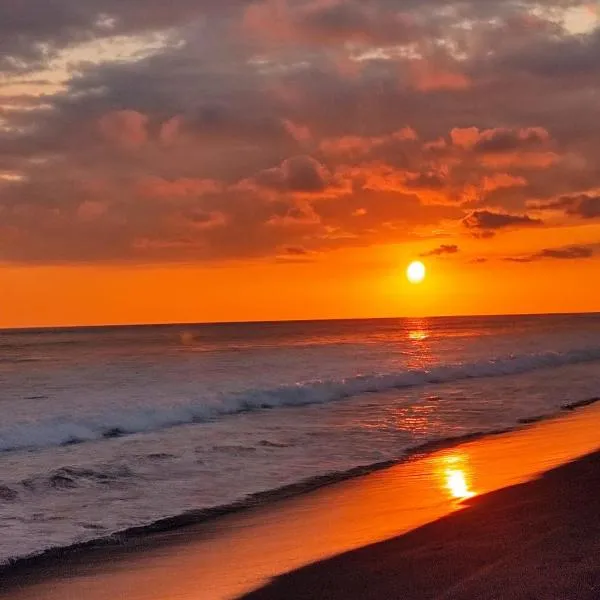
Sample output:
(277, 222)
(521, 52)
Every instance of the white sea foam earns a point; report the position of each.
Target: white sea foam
(60, 431)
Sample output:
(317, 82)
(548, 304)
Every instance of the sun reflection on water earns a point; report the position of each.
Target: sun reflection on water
(418, 335)
(418, 330)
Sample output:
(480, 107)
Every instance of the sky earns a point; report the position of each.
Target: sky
(193, 160)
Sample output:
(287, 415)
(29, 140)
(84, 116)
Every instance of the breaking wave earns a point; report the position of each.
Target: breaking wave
(59, 432)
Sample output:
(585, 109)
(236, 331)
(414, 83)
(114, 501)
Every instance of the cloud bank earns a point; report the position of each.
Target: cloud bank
(254, 127)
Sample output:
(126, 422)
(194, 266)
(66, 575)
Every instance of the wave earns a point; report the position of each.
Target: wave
(117, 474)
(20, 359)
(72, 477)
(69, 477)
(61, 432)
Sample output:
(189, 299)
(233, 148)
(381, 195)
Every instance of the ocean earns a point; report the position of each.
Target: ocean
(110, 428)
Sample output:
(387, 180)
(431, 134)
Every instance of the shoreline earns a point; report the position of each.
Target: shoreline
(539, 539)
(396, 496)
(140, 533)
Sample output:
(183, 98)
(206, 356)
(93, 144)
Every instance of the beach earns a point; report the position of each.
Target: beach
(535, 538)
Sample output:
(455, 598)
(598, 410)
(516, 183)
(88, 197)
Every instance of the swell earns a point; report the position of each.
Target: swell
(19, 565)
(61, 432)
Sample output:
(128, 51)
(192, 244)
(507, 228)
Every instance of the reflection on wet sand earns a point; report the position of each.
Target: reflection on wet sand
(226, 557)
(456, 476)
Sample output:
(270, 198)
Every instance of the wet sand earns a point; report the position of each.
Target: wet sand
(549, 524)
(538, 540)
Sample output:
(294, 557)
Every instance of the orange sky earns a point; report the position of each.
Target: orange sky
(287, 159)
(349, 284)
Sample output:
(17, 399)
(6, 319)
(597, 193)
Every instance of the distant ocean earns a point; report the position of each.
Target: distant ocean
(104, 429)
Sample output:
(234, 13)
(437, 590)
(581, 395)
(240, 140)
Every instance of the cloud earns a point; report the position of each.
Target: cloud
(126, 128)
(564, 253)
(489, 221)
(428, 77)
(32, 32)
(500, 140)
(296, 254)
(296, 174)
(238, 129)
(556, 56)
(296, 251)
(506, 140)
(586, 206)
(330, 23)
(569, 253)
(442, 250)
(519, 259)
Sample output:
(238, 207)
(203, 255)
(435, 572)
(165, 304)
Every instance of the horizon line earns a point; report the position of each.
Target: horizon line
(34, 328)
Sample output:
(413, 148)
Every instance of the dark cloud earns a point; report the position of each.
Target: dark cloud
(557, 57)
(586, 206)
(570, 253)
(296, 251)
(488, 220)
(565, 253)
(297, 174)
(520, 259)
(334, 23)
(441, 250)
(507, 140)
(256, 126)
(33, 31)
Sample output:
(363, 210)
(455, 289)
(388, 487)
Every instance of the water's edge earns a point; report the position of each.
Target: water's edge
(139, 533)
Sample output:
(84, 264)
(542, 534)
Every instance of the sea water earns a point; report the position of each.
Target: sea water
(104, 429)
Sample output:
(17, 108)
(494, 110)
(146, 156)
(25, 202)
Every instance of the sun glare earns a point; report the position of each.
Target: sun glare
(456, 474)
(416, 272)
(456, 482)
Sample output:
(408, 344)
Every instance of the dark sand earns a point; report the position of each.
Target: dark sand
(541, 536)
(537, 540)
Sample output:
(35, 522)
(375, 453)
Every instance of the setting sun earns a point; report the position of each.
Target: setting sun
(416, 272)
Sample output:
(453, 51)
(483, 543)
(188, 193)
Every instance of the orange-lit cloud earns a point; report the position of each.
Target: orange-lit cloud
(430, 77)
(126, 129)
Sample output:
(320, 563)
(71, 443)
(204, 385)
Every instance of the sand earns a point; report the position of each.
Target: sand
(537, 540)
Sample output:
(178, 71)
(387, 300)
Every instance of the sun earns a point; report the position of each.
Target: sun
(416, 272)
